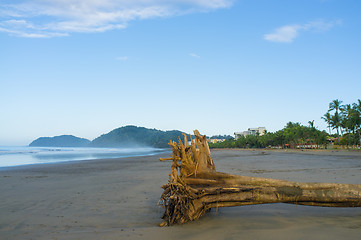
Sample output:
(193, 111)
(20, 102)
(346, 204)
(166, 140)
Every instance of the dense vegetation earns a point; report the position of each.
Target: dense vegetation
(131, 136)
(345, 119)
(293, 134)
(60, 141)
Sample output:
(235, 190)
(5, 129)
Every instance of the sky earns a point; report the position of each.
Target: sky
(86, 67)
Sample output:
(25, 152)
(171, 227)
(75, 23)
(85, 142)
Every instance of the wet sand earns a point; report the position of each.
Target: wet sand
(117, 199)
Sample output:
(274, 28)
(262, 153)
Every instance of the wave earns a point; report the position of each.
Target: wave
(15, 156)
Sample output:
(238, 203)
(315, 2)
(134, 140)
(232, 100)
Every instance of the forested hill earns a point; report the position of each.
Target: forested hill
(60, 141)
(132, 136)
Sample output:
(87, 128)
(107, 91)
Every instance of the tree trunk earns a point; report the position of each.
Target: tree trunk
(195, 187)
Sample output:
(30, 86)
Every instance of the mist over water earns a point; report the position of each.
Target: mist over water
(23, 155)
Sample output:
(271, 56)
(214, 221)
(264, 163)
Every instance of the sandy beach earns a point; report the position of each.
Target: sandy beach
(117, 199)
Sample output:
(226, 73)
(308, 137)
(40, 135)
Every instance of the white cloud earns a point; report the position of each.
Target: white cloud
(321, 26)
(288, 33)
(61, 17)
(194, 55)
(283, 34)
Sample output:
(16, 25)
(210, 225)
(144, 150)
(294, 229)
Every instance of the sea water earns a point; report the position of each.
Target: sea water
(24, 155)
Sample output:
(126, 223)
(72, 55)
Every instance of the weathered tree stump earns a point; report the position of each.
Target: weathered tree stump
(195, 186)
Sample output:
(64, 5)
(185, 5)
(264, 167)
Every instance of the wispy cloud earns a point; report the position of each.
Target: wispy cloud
(194, 55)
(122, 58)
(288, 33)
(283, 34)
(48, 18)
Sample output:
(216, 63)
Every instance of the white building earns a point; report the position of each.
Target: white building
(251, 131)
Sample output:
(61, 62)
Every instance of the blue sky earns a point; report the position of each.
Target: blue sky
(86, 67)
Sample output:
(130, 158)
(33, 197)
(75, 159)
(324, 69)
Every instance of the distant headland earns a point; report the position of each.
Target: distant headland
(60, 141)
(127, 136)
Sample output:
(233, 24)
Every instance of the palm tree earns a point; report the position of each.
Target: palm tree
(336, 122)
(327, 118)
(312, 124)
(314, 134)
(349, 117)
(336, 106)
(357, 107)
(349, 120)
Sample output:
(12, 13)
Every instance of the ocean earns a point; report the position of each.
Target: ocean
(24, 155)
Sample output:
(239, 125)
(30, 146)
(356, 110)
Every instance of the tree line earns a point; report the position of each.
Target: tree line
(345, 119)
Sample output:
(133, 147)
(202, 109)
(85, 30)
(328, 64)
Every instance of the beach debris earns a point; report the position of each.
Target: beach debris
(194, 187)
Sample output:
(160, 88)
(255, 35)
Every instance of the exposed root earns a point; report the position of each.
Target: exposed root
(177, 200)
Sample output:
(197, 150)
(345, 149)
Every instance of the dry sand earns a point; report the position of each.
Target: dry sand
(117, 199)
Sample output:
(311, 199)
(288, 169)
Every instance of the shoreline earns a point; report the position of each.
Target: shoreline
(117, 199)
(346, 152)
(71, 161)
(115, 162)
(292, 150)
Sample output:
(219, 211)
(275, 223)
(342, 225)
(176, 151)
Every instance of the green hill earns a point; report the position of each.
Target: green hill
(130, 136)
(60, 141)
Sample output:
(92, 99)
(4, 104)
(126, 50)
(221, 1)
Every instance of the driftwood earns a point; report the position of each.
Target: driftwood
(195, 187)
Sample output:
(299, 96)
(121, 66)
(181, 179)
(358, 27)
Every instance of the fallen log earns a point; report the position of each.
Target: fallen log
(195, 187)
